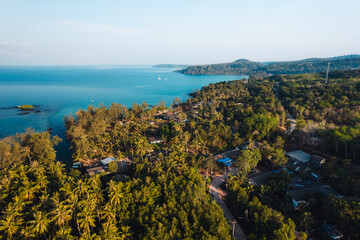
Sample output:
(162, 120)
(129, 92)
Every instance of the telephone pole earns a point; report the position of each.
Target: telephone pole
(233, 228)
(327, 74)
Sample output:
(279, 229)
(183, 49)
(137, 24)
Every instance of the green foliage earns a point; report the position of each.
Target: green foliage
(244, 66)
(261, 221)
(247, 160)
(40, 200)
(345, 213)
(26, 106)
(113, 167)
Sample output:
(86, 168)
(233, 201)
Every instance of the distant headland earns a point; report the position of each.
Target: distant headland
(171, 66)
(263, 69)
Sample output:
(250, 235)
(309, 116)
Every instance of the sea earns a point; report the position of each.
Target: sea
(62, 90)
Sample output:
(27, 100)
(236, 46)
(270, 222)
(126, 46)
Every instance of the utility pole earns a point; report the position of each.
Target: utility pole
(327, 74)
(233, 225)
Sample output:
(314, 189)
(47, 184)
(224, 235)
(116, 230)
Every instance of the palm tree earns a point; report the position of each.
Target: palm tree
(27, 151)
(115, 194)
(82, 188)
(107, 213)
(307, 219)
(62, 215)
(110, 230)
(89, 236)
(64, 233)
(86, 220)
(10, 225)
(40, 223)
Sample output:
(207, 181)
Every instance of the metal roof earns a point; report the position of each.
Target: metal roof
(108, 160)
(299, 155)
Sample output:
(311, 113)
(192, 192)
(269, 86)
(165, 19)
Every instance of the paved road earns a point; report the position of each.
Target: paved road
(217, 193)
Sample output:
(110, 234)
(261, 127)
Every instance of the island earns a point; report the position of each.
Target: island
(25, 109)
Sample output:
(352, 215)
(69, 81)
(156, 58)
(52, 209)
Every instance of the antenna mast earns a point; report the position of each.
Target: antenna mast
(327, 74)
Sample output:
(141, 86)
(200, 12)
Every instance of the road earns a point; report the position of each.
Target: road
(216, 194)
(292, 124)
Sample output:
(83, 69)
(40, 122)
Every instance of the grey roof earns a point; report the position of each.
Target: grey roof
(299, 155)
(108, 160)
(303, 192)
(259, 178)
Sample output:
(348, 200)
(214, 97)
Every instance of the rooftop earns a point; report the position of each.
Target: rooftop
(107, 160)
(299, 155)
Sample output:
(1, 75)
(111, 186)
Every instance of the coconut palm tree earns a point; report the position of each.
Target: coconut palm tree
(40, 224)
(110, 230)
(11, 225)
(64, 233)
(307, 219)
(62, 215)
(86, 220)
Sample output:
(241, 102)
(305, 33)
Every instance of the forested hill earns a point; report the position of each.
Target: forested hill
(244, 66)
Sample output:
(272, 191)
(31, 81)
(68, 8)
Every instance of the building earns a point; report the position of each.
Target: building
(107, 160)
(225, 161)
(299, 156)
(247, 145)
(331, 231)
(95, 170)
(303, 191)
(123, 164)
(317, 160)
(259, 178)
(154, 140)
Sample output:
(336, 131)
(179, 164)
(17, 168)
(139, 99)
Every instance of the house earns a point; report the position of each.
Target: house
(123, 164)
(247, 145)
(259, 178)
(154, 140)
(225, 161)
(317, 160)
(331, 231)
(107, 160)
(95, 170)
(314, 141)
(298, 156)
(304, 190)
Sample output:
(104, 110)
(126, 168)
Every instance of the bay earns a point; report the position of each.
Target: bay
(60, 90)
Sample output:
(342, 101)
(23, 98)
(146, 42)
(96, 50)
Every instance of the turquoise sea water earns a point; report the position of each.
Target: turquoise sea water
(63, 90)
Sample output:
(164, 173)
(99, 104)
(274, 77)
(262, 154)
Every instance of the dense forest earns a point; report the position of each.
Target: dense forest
(165, 194)
(246, 67)
(40, 200)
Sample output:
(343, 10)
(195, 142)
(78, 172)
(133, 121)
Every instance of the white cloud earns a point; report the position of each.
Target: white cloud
(102, 28)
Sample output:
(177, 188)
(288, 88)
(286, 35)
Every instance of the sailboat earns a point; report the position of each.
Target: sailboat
(165, 79)
(159, 78)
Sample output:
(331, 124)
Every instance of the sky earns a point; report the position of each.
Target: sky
(117, 32)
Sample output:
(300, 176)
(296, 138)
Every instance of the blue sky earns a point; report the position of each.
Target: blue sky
(83, 32)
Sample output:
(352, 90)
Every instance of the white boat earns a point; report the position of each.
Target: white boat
(159, 78)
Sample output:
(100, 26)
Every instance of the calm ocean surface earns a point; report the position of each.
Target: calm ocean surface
(63, 90)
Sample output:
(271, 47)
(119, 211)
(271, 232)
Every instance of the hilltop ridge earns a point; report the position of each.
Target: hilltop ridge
(248, 67)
